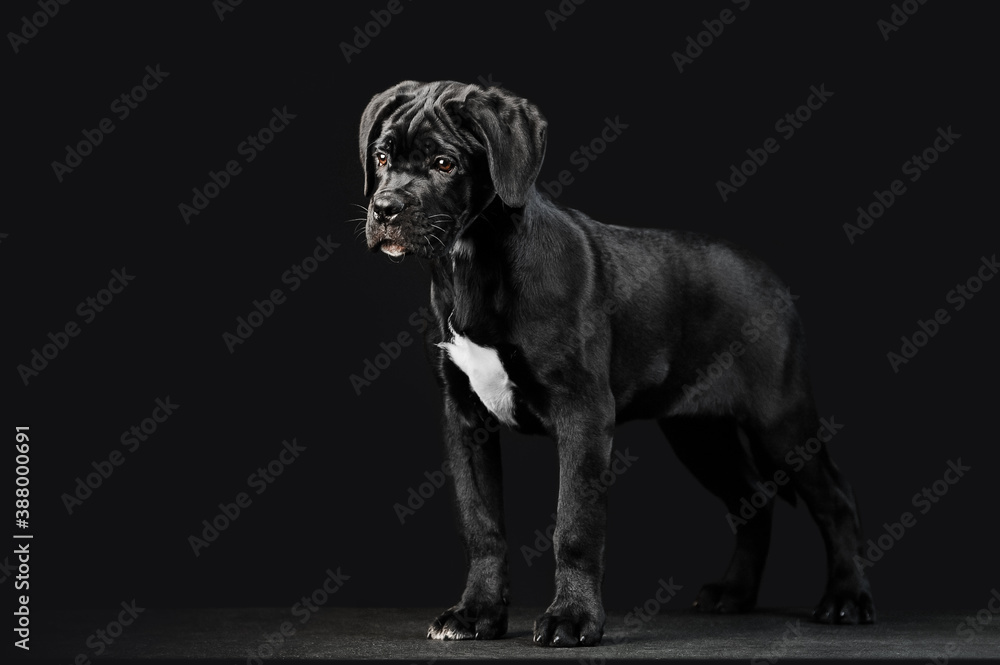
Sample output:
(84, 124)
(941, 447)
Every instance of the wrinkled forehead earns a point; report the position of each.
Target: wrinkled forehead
(427, 127)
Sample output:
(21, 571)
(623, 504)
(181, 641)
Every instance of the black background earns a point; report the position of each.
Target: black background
(333, 507)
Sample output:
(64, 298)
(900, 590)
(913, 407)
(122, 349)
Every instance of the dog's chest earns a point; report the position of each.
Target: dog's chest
(486, 373)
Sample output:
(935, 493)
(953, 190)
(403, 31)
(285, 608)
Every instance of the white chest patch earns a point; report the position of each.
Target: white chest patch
(486, 374)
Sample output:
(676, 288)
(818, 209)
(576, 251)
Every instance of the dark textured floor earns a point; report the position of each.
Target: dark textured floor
(235, 635)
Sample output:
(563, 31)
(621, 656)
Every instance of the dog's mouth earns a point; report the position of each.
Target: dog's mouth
(386, 239)
(396, 242)
(392, 248)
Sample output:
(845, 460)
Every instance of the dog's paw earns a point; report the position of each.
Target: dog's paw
(725, 598)
(845, 608)
(569, 628)
(466, 622)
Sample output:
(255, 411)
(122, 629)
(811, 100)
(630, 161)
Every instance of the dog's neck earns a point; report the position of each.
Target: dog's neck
(472, 284)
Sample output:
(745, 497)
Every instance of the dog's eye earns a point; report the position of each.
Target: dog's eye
(381, 158)
(444, 164)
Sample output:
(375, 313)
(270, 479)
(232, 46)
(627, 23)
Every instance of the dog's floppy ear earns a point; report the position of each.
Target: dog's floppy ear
(513, 131)
(378, 109)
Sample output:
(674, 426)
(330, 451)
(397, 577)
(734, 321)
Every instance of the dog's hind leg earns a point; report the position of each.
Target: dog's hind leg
(712, 450)
(798, 441)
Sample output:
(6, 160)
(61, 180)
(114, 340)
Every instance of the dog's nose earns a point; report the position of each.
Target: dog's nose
(387, 204)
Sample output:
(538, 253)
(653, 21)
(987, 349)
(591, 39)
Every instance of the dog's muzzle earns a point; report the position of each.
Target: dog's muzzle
(384, 228)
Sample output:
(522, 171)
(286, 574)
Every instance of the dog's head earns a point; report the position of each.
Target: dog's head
(436, 154)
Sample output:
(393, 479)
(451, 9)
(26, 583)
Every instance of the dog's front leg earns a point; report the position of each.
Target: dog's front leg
(576, 615)
(473, 452)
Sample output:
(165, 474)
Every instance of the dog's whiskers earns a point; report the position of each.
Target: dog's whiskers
(438, 239)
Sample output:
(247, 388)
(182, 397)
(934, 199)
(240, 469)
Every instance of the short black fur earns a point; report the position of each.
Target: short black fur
(594, 324)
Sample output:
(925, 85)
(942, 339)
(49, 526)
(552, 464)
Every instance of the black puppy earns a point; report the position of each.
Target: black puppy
(553, 323)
